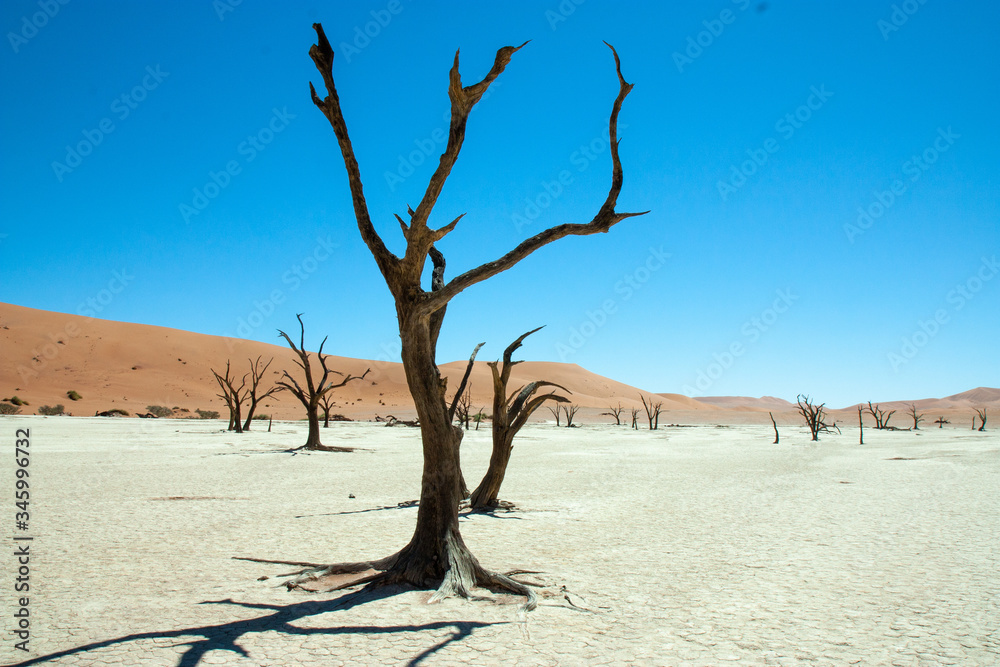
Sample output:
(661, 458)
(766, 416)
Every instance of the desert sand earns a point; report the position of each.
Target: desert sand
(704, 545)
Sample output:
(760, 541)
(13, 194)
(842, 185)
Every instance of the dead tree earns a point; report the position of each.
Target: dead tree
(815, 417)
(463, 411)
(436, 555)
(327, 404)
(775, 424)
(233, 395)
(256, 375)
(510, 413)
(311, 391)
(570, 412)
(881, 416)
(653, 411)
(915, 416)
(635, 418)
(982, 418)
(616, 413)
(861, 427)
(556, 411)
(941, 421)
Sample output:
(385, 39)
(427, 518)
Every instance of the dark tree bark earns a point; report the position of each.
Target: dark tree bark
(556, 411)
(436, 554)
(233, 396)
(653, 411)
(635, 418)
(915, 416)
(775, 424)
(570, 412)
(312, 392)
(861, 427)
(510, 414)
(256, 375)
(815, 417)
(615, 412)
(881, 416)
(941, 421)
(982, 418)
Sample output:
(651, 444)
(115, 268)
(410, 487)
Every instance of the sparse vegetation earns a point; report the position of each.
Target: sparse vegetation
(73, 396)
(8, 409)
(262, 417)
(207, 414)
(51, 410)
(159, 410)
(114, 412)
(16, 401)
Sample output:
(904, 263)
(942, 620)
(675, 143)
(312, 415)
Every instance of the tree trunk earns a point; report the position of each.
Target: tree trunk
(486, 493)
(436, 552)
(313, 441)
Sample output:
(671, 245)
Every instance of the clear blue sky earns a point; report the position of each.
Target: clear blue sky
(755, 134)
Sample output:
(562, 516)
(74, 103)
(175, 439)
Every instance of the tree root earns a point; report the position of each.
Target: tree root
(323, 448)
(464, 574)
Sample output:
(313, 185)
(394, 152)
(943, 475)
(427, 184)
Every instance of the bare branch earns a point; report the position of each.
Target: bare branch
(465, 380)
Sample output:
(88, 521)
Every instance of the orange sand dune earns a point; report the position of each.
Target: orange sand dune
(131, 366)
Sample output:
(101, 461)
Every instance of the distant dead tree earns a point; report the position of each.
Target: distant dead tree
(327, 403)
(815, 416)
(463, 411)
(570, 412)
(775, 424)
(233, 395)
(615, 412)
(436, 555)
(635, 418)
(915, 416)
(653, 411)
(556, 411)
(941, 421)
(982, 418)
(861, 427)
(256, 375)
(510, 413)
(881, 416)
(312, 393)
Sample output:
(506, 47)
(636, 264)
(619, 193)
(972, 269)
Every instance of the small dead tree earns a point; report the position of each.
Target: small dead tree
(917, 417)
(653, 411)
(256, 375)
(327, 404)
(463, 411)
(775, 424)
(941, 421)
(570, 412)
(881, 416)
(510, 414)
(982, 418)
(556, 411)
(313, 391)
(815, 416)
(861, 427)
(635, 418)
(233, 395)
(615, 412)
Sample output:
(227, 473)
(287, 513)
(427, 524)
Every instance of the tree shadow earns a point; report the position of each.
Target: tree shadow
(225, 636)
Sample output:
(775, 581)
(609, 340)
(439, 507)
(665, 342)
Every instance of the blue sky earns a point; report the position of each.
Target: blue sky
(822, 180)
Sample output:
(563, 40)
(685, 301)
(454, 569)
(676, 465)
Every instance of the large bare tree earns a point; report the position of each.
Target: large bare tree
(436, 555)
(510, 413)
(234, 395)
(311, 392)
